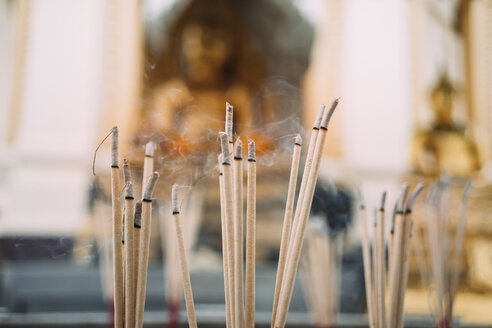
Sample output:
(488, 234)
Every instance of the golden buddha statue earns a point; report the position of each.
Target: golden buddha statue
(445, 146)
(204, 67)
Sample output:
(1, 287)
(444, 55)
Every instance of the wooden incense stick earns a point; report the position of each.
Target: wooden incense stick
(143, 258)
(225, 250)
(286, 227)
(293, 255)
(188, 293)
(402, 283)
(381, 265)
(237, 169)
(250, 238)
(129, 258)
(366, 255)
(116, 232)
(229, 216)
(137, 225)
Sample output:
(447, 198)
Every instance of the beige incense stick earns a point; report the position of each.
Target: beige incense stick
(286, 227)
(229, 216)
(143, 258)
(293, 255)
(375, 268)
(381, 264)
(250, 238)
(148, 167)
(137, 225)
(397, 212)
(366, 255)
(225, 257)
(305, 177)
(237, 169)
(116, 227)
(129, 258)
(229, 124)
(402, 283)
(188, 293)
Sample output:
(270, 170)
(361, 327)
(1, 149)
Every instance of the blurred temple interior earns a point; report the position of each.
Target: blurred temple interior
(412, 81)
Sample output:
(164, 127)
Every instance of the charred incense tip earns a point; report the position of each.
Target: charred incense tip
(319, 116)
(413, 196)
(298, 140)
(114, 146)
(402, 198)
(149, 187)
(328, 114)
(174, 199)
(137, 220)
(224, 144)
(393, 219)
(229, 120)
(129, 190)
(149, 149)
(126, 172)
(251, 151)
(221, 170)
(238, 149)
(383, 201)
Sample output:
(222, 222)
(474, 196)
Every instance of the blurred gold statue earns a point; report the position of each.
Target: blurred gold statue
(445, 146)
(205, 68)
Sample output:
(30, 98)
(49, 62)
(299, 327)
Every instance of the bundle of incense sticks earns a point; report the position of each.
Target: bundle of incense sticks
(239, 292)
(130, 262)
(321, 268)
(375, 265)
(438, 255)
(303, 208)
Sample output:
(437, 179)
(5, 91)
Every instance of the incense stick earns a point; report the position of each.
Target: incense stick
(129, 258)
(137, 225)
(225, 250)
(286, 227)
(118, 282)
(188, 293)
(229, 216)
(381, 265)
(366, 255)
(237, 169)
(293, 255)
(143, 258)
(250, 238)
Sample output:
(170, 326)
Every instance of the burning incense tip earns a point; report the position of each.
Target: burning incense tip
(174, 199)
(413, 196)
(238, 149)
(251, 151)
(137, 220)
(383, 201)
(149, 187)
(149, 149)
(298, 140)
(126, 172)
(402, 198)
(319, 116)
(327, 116)
(229, 121)
(224, 144)
(129, 190)
(114, 147)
